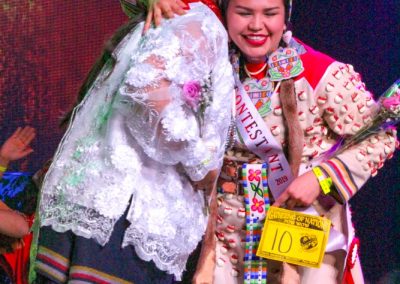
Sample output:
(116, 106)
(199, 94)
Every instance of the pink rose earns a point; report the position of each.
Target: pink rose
(192, 93)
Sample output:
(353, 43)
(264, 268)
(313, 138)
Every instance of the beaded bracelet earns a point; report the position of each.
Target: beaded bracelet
(325, 183)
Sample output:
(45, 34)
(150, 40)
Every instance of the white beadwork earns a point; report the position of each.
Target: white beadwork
(302, 96)
(224, 249)
(235, 272)
(338, 98)
(314, 109)
(302, 116)
(349, 118)
(361, 107)
(278, 110)
(370, 149)
(344, 109)
(234, 259)
(355, 127)
(221, 262)
(329, 87)
(321, 100)
(275, 130)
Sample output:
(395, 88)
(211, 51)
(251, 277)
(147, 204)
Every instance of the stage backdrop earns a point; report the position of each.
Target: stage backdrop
(47, 47)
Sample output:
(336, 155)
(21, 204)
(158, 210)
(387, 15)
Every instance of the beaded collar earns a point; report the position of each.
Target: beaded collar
(256, 70)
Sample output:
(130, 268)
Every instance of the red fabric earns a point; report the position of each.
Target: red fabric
(315, 64)
(354, 248)
(209, 3)
(347, 278)
(254, 67)
(19, 259)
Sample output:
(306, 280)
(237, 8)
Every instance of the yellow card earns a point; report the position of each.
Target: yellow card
(294, 237)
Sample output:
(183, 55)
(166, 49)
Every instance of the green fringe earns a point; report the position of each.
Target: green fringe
(34, 247)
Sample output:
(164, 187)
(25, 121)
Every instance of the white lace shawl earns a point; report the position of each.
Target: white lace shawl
(134, 140)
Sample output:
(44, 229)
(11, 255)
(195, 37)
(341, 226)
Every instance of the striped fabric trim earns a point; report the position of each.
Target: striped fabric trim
(84, 274)
(50, 272)
(52, 264)
(341, 177)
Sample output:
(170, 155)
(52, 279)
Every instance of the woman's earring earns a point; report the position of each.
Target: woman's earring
(287, 36)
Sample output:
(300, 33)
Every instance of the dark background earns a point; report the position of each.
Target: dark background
(47, 47)
(365, 34)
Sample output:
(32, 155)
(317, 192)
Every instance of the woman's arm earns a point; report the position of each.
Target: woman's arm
(348, 107)
(12, 224)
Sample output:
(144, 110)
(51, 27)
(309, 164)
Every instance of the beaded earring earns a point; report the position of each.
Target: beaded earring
(287, 37)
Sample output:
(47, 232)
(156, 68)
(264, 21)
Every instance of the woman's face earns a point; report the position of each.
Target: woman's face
(256, 26)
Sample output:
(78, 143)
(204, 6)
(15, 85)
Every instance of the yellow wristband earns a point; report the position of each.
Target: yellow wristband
(2, 169)
(325, 183)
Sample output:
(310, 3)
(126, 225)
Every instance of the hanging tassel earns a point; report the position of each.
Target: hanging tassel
(287, 37)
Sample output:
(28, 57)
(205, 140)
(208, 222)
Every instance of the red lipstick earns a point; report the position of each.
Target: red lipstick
(255, 40)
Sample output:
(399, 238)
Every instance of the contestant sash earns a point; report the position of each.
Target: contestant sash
(261, 142)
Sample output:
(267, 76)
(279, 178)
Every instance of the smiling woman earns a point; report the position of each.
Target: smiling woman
(292, 105)
(255, 27)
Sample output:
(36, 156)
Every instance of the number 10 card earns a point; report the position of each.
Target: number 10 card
(294, 237)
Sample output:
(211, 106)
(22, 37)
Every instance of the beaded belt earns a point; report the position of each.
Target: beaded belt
(254, 177)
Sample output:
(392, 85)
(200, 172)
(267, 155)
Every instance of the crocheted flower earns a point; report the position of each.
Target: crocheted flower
(192, 93)
(258, 205)
(254, 175)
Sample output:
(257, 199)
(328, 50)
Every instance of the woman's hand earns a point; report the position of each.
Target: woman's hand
(12, 224)
(163, 8)
(302, 192)
(205, 271)
(17, 145)
(208, 182)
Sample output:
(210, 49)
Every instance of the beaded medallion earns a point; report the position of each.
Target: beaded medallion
(260, 92)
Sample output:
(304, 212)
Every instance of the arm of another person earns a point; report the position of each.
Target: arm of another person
(12, 223)
(156, 11)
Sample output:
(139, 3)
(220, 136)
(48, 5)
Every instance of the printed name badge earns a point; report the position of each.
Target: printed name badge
(294, 237)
